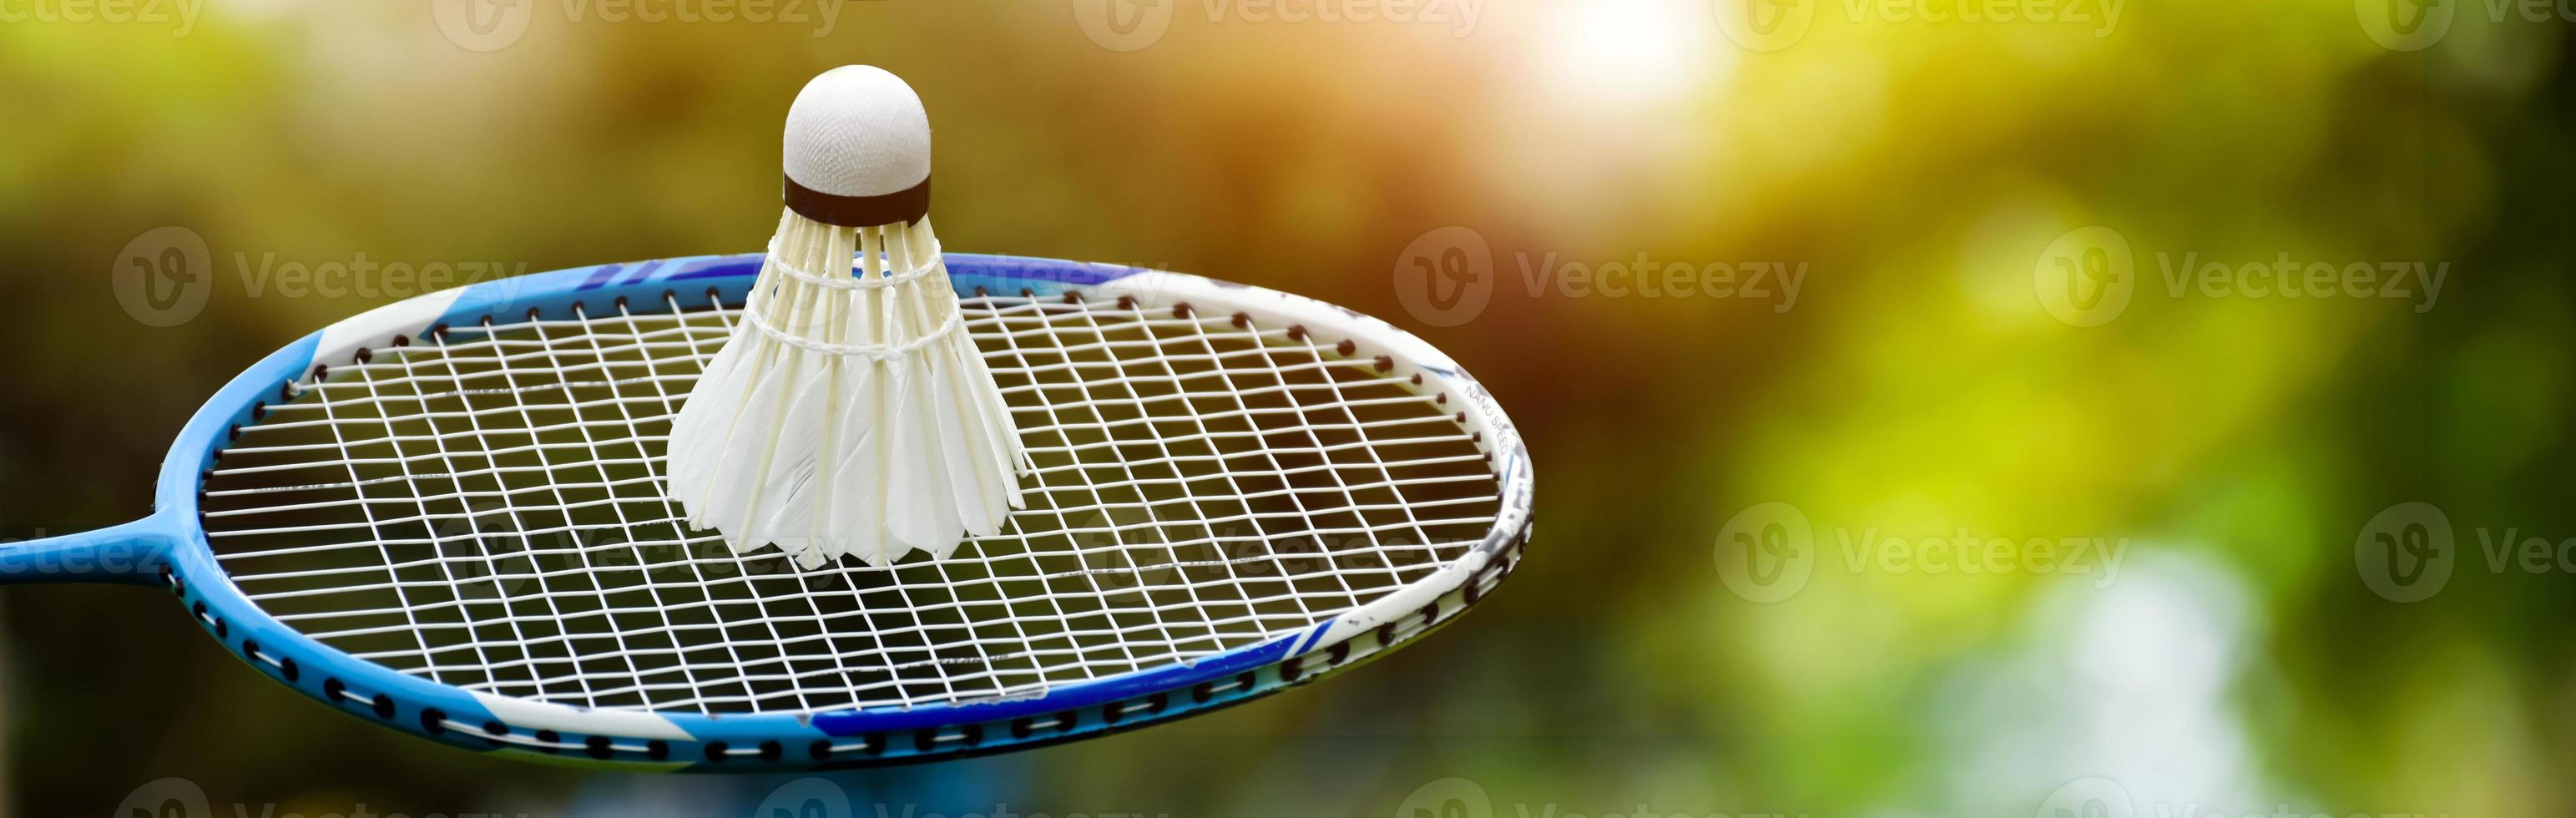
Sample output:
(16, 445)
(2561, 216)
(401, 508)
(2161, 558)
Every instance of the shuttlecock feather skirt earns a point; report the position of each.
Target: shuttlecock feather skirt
(850, 412)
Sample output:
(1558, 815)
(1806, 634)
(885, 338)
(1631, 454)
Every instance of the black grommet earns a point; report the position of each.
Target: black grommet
(1181, 310)
(1028, 293)
(168, 578)
(1247, 680)
(925, 738)
(1296, 332)
(771, 751)
(493, 731)
(657, 749)
(980, 292)
(259, 410)
(286, 667)
(233, 433)
(874, 744)
(364, 355)
(438, 331)
(1291, 669)
(331, 690)
(1159, 701)
(974, 734)
(532, 313)
(198, 609)
(715, 752)
(598, 747)
(250, 648)
(1386, 634)
(1440, 398)
(1071, 297)
(321, 371)
(178, 587)
(1417, 381)
(286, 392)
(620, 303)
(670, 295)
(384, 706)
(546, 741)
(1462, 418)
(1242, 320)
(1475, 588)
(1202, 692)
(1021, 727)
(1346, 347)
(1065, 721)
(714, 294)
(222, 630)
(1431, 612)
(402, 340)
(821, 749)
(1385, 363)
(433, 720)
(1112, 712)
(1341, 652)
(1126, 302)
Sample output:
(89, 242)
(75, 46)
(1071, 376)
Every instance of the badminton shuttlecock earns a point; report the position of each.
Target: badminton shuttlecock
(850, 412)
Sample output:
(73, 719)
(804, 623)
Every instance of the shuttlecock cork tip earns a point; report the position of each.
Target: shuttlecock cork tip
(858, 149)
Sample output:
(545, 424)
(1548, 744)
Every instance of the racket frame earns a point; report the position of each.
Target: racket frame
(169, 549)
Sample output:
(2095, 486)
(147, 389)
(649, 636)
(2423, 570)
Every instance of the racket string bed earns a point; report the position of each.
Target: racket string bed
(484, 509)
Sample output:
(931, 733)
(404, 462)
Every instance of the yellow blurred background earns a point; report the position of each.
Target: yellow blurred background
(1940, 407)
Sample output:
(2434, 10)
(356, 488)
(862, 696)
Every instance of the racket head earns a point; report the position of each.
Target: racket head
(188, 566)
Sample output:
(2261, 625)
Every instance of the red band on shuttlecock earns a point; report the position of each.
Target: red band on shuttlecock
(906, 206)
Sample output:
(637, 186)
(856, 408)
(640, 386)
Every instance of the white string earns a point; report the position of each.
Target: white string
(1197, 487)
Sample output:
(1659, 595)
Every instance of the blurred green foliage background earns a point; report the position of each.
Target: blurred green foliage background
(2236, 448)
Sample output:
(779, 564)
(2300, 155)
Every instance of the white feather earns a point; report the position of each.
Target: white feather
(864, 422)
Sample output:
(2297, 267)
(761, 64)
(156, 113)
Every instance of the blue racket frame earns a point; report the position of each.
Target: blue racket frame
(169, 549)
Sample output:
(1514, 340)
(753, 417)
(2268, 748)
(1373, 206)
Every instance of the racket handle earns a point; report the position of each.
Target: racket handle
(132, 554)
